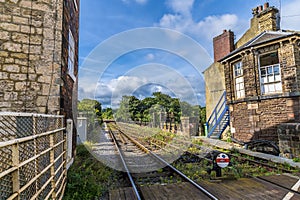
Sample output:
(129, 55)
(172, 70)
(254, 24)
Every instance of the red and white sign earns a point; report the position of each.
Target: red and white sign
(222, 160)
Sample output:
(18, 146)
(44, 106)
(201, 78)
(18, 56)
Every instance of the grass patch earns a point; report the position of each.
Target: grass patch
(88, 178)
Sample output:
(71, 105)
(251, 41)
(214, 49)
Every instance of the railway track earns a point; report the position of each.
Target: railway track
(249, 187)
(135, 156)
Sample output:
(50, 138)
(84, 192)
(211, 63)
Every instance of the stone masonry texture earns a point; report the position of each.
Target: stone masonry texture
(34, 42)
(257, 116)
(32, 47)
(289, 139)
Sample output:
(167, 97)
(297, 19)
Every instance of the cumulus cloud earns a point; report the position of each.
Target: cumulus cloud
(211, 26)
(182, 7)
(111, 92)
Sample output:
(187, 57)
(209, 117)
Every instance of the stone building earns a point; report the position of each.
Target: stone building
(262, 78)
(39, 56)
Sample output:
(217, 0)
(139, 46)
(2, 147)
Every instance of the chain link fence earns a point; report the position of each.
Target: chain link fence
(32, 156)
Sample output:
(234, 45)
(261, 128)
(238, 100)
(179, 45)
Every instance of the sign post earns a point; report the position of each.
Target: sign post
(222, 161)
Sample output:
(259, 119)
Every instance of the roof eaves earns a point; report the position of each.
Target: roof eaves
(250, 43)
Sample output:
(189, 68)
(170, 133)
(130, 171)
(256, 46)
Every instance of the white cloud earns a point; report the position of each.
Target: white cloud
(203, 30)
(212, 26)
(182, 7)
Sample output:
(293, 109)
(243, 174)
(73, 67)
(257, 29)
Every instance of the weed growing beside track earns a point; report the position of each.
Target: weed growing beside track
(90, 179)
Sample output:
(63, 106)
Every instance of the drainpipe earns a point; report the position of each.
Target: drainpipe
(255, 57)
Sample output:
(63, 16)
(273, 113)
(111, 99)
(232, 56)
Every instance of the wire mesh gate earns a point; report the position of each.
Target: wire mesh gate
(32, 156)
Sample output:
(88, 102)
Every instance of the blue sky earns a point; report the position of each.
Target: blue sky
(133, 71)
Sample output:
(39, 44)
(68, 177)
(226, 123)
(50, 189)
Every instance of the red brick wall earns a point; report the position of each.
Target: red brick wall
(69, 86)
(223, 44)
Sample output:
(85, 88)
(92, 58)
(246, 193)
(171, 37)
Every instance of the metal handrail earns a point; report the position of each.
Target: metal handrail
(217, 116)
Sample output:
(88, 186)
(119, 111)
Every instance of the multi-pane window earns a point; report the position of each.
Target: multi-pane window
(71, 55)
(239, 80)
(270, 74)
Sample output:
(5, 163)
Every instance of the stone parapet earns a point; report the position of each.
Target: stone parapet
(289, 139)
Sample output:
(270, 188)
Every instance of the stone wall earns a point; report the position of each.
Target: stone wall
(189, 126)
(214, 86)
(30, 55)
(257, 116)
(253, 120)
(264, 19)
(289, 140)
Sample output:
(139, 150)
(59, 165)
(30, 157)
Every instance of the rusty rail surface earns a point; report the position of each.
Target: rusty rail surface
(32, 156)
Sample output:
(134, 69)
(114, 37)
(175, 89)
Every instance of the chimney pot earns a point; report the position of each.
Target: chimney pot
(224, 31)
(266, 5)
(260, 8)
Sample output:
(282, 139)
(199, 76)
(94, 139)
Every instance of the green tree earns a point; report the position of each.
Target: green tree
(90, 106)
(107, 113)
(122, 113)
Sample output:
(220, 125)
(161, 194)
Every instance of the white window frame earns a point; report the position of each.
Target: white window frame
(239, 87)
(75, 4)
(71, 55)
(270, 79)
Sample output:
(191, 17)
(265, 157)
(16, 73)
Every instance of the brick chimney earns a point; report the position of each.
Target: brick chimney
(223, 44)
(266, 18)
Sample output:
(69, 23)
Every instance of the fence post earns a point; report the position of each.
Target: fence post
(34, 129)
(15, 174)
(69, 142)
(52, 165)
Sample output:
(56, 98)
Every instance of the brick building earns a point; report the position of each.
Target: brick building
(39, 56)
(261, 76)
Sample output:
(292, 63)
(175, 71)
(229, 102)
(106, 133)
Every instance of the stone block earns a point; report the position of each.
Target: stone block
(19, 55)
(4, 35)
(3, 54)
(20, 38)
(41, 100)
(11, 68)
(18, 77)
(25, 29)
(3, 75)
(9, 26)
(10, 96)
(20, 86)
(289, 144)
(13, 47)
(20, 20)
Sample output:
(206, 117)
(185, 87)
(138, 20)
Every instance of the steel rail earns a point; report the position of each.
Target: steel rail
(210, 195)
(206, 192)
(125, 165)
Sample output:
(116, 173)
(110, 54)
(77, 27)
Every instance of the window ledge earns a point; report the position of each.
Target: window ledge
(265, 97)
(73, 77)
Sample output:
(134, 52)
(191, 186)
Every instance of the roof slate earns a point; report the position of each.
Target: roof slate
(266, 36)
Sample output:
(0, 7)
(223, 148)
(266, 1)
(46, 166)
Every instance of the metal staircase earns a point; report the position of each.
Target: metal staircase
(219, 119)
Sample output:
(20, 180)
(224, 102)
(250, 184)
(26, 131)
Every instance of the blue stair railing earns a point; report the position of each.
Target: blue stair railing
(219, 119)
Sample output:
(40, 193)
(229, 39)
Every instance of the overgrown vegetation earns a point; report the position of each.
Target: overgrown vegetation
(156, 109)
(88, 178)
